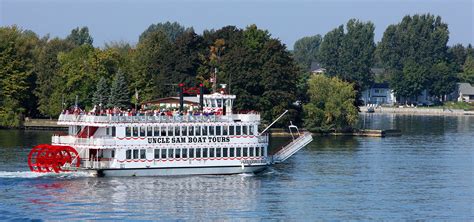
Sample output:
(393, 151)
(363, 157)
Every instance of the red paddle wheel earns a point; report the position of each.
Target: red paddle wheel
(46, 158)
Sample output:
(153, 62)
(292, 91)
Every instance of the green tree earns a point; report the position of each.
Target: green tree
(442, 80)
(47, 69)
(410, 82)
(172, 30)
(80, 70)
(119, 94)
(262, 73)
(232, 38)
(150, 73)
(457, 55)
(350, 55)
(420, 38)
(101, 93)
(357, 54)
(185, 59)
(330, 51)
(468, 74)
(17, 75)
(80, 36)
(305, 50)
(331, 105)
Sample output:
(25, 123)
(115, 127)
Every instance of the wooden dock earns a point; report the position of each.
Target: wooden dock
(43, 124)
(361, 132)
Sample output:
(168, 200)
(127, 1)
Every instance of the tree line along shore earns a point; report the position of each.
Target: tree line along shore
(41, 75)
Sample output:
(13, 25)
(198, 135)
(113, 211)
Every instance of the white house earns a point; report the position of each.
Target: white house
(465, 92)
(380, 94)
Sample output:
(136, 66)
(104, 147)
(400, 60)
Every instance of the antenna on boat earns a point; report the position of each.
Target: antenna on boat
(273, 122)
(75, 104)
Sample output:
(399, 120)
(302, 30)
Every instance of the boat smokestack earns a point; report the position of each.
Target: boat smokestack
(181, 98)
(201, 97)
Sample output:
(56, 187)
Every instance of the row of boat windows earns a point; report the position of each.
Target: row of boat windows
(171, 153)
(143, 131)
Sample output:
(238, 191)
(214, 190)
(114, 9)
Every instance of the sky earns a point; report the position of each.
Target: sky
(287, 20)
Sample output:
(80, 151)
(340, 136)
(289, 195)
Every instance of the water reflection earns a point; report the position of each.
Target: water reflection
(143, 197)
(427, 173)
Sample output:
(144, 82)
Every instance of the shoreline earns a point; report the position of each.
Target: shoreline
(51, 125)
(280, 132)
(418, 111)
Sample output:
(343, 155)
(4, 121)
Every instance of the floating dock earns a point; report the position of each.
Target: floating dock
(361, 132)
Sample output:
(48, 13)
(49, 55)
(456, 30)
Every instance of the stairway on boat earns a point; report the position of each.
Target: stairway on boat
(294, 146)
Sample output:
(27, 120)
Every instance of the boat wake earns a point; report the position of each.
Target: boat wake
(29, 174)
(246, 174)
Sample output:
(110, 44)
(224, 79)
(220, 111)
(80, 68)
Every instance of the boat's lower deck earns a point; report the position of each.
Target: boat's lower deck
(177, 171)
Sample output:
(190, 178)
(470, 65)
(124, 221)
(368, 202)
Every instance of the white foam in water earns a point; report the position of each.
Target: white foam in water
(29, 174)
(246, 174)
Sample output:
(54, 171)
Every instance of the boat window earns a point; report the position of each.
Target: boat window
(128, 131)
(204, 152)
(238, 152)
(262, 153)
(231, 130)
(251, 131)
(218, 130)
(251, 151)
(197, 130)
(211, 152)
(244, 130)
(257, 151)
(211, 131)
(163, 153)
(170, 153)
(177, 130)
(204, 130)
(238, 131)
(224, 152)
(156, 130)
(245, 152)
(142, 131)
(157, 153)
(170, 131)
(232, 152)
(107, 131)
(177, 153)
(191, 131)
(142, 154)
(128, 154)
(135, 131)
(225, 130)
(191, 153)
(114, 131)
(135, 154)
(184, 130)
(218, 152)
(184, 153)
(198, 152)
(163, 131)
(149, 131)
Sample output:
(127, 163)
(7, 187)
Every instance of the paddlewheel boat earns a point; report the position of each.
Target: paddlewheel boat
(156, 145)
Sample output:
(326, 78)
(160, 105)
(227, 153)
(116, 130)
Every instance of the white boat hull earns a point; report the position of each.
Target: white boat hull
(179, 171)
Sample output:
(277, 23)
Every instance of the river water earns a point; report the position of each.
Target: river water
(427, 173)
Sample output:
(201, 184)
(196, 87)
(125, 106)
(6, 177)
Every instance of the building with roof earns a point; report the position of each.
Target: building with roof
(190, 102)
(316, 68)
(380, 94)
(465, 92)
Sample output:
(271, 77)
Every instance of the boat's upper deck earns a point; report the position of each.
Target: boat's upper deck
(86, 119)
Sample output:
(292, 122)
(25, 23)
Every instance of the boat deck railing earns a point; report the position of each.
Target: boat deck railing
(84, 118)
(72, 140)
